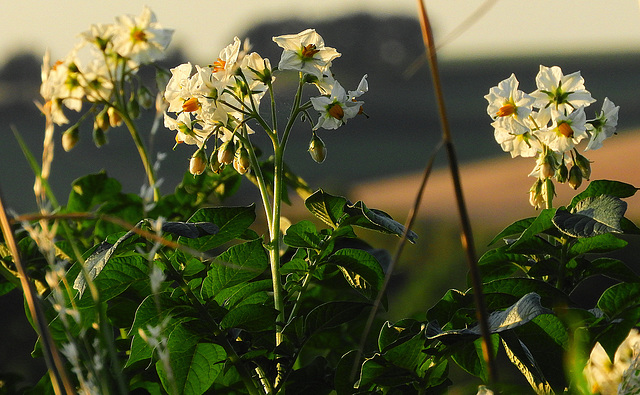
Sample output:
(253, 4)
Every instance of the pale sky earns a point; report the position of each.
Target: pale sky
(204, 27)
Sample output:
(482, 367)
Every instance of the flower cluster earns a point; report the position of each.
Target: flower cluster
(548, 124)
(216, 102)
(96, 69)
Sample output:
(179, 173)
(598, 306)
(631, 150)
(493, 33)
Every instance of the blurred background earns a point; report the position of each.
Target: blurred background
(377, 160)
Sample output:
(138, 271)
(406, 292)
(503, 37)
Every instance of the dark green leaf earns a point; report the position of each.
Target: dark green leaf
(612, 268)
(499, 263)
(302, 235)
(343, 383)
(539, 225)
(328, 208)
(592, 216)
(361, 270)
(250, 317)
(119, 275)
(521, 357)
(231, 221)
(190, 230)
(240, 263)
(519, 287)
(244, 293)
(332, 314)
(194, 365)
(361, 215)
(296, 265)
(605, 187)
(618, 298)
(90, 190)
(515, 228)
(470, 357)
(601, 243)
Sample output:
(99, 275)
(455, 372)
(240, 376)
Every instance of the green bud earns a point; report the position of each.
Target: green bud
(70, 138)
(575, 177)
(133, 107)
(584, 164)
(226, 152)
(145, 97)
(214, 164)
(241, 160)
(198, 162)
(317, 149)
(562, 173)
(99, 136)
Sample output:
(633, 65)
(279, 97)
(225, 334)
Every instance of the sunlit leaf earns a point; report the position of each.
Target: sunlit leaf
(592, 216)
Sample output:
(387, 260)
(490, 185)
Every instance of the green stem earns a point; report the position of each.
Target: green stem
(142, 151)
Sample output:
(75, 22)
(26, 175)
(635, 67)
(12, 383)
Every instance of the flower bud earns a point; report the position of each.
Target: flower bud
(536, 198)
(102, 120)
(562, 173)
(145, 97)
(99, 136)
(584, 164)
(198, 162)
(70, 137)
(226, 152)
(575, 177)
(133, 107)
(241, 160)
(548, 166)
(214, 164)
(114, 117)
(317, 149)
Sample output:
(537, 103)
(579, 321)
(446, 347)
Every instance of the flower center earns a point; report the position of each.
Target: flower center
(309, 50)
(565, 129)
(336, 111)
(138, 35)
(506, 110)
(191, 105)
(218, 65)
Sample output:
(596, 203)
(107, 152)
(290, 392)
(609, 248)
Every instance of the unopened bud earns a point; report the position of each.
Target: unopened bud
(548, 166)
(226, 152)
(133, 107)
(584, 164)
(114, 117)
(102, 120)
(562, 173)
(198, 162)
(99, 136)
(241, 160)
(145, 97)
(317, 149)
(214, 164)
(536, 197)
(70, 137)
(575, 177)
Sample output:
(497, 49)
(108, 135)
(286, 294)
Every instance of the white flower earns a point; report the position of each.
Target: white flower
(305, 52)
(140, 38)
(179, 88)
(509, 106)
(523, 144)
(563, 93)
(604, 125)
(603, 376)
(565, 132)
(336, 109)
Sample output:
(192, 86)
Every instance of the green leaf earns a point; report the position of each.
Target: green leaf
(361, 270)
(96, 262)
(302, 235)
(250, 317)
(605, 187)
(515, 228)
(342, 379)
(521, 357)
(240, 263)
(244, 293)
(499, 263)
(519, 287)
(296, 265)
(328, 208)
(231, 221)
(121, 273)
(592, 216)
(612, 268)
(90, 190)
(596, 244)
(332, 314)
(361, 215)
(471, 358)
(408, 354)
(194, 365)
(539, 225)
(616, 299)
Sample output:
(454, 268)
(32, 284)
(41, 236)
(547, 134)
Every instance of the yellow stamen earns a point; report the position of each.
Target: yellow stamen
(218, 65)
(191, 105)
(138, 35)
(336, 111)
(565, 129)
(178, 139)
(309, 50)
(506, 110)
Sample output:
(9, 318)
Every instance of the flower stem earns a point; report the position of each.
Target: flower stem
(142, 151)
